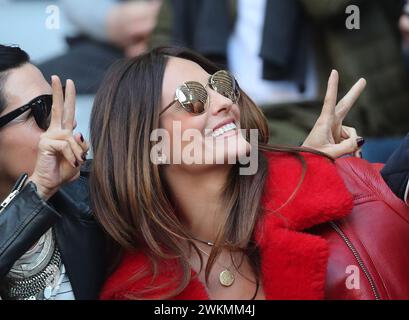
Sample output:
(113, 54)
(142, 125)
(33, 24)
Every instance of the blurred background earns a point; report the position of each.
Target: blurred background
(281, 51)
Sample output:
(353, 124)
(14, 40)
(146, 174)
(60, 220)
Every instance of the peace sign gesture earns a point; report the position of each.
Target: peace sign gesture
(60, 153)
(329, 135)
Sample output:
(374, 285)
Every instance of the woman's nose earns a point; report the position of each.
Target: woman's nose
(219, 103)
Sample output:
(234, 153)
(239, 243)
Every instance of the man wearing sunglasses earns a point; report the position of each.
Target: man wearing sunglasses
(50, 246)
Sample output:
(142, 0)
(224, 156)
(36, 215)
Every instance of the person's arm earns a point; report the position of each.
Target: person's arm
(90, 16)
(22, 222)
(24, 214)
(396, 171)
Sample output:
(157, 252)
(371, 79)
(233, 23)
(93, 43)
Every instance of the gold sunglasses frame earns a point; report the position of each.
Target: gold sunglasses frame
(181, 97)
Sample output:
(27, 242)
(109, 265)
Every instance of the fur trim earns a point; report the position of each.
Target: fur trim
(293, 262)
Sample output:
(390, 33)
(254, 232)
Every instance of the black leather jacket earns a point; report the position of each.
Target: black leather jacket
(80, 239)
(396, 171)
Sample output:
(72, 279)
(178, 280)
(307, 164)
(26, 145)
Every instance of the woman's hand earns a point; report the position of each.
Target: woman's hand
(60, 153)
(329, 135)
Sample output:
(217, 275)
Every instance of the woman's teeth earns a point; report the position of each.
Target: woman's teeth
(224, 129)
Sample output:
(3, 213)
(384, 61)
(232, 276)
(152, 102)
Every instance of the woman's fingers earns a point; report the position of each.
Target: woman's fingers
(349, 144)
(58, 103)
(77, 150)
(63, 112)
(350, 98)
(77, 143)
(328, 110)
(62, 147)
(63, 122)
(348, 133)
(345, 147)
(79, 138)
(68, 119)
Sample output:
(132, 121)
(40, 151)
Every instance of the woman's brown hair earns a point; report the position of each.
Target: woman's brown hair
(129, 196)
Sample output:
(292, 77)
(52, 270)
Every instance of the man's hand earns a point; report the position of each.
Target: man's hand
(329, 135)
(60, 153)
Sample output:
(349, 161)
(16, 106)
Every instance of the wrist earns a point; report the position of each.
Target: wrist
(43, 192)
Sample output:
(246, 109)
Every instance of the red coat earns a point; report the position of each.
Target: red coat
(294, 261)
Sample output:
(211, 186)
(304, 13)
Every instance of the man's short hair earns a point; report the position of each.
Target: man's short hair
(10, 57)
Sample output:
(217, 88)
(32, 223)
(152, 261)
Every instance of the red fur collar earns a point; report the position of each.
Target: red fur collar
(293, 262)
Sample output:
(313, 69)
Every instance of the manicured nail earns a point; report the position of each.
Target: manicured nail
(360, 142)
(76, 164)
(81, 137)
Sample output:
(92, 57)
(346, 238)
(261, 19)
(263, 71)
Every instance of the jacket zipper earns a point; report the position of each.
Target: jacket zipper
(16, 190)
(358, 259)
(6, 202)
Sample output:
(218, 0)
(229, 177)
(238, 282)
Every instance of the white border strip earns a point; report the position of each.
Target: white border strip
(406, 194)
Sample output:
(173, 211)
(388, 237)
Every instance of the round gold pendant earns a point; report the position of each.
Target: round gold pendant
(226, 278)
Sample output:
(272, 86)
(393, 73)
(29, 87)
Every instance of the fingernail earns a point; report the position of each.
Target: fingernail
(81, 137)
(360, 142)
(76, 164)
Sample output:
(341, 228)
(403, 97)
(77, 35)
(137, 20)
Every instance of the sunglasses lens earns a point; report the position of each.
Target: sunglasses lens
(224, 83)
(196, 107)
(42, 112)
(193, 97)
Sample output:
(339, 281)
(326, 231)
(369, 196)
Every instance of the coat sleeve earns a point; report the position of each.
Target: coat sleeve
(396, 171)
(22, 223)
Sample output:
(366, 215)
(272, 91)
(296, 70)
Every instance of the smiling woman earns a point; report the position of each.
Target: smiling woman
(199, 230)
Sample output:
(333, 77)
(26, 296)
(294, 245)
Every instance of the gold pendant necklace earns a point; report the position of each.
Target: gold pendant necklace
(226, 277)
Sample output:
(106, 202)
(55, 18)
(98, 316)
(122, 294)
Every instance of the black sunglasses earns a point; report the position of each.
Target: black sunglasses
(40, 109)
